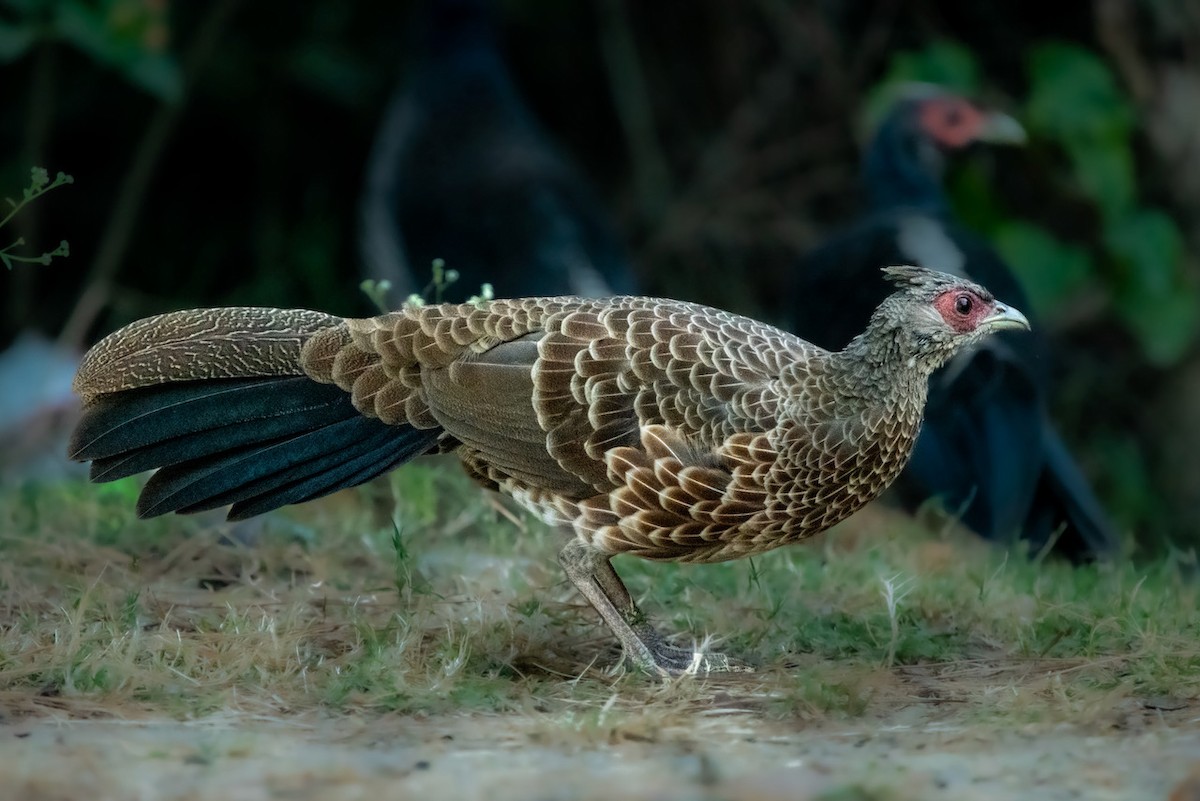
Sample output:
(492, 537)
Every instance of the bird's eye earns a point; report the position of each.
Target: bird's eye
(963, 304)
(954, 116)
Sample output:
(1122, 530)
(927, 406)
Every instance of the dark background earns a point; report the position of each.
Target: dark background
(218, 151)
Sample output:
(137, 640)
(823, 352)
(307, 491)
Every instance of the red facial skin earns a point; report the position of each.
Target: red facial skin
(951, 121)
(962, 309)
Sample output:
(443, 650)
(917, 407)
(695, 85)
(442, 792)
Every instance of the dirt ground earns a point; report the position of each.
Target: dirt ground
(1003, 714)
(921, 752)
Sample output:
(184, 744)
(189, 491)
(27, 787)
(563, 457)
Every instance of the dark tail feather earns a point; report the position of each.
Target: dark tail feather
(142, 429)
(194, 415)
(256, 443)
(256, 480)
(374, 457)
(1070, 498)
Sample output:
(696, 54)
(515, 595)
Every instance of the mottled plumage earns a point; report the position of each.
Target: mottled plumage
(653, 427)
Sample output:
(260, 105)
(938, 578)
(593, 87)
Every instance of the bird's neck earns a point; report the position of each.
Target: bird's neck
(903, 169)
(893, 356)
(867, 396)
(878, 367)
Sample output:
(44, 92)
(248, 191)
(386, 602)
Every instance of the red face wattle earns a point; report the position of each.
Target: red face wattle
(963, 309)
(951, 121)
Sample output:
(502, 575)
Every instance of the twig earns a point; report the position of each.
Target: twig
(115, 241)
(40, 185)
(37, 130)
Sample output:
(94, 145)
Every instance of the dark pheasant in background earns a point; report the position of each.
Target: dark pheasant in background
(461, 171)
(652, 427)
(988, 447)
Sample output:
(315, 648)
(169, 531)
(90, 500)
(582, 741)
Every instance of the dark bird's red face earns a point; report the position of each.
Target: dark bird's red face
(953, 123)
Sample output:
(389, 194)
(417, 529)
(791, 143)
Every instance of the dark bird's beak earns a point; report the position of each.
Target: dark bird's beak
(1004, 316)
(1001, 129)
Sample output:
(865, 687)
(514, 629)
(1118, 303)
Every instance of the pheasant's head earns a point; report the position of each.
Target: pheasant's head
(931, 316)
(924, 127)
(951, 122)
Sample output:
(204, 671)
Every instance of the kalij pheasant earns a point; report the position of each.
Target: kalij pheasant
(657, 428)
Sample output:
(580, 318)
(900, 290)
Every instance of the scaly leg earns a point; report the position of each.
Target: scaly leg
(592, 573)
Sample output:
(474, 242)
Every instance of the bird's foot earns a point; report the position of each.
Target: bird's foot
(668, 660)
(684, 662)
(595, 578)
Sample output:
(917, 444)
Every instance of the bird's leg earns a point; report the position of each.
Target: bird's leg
(592, 573)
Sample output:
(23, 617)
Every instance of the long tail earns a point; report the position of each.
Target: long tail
(218, 401)
(1065, 497)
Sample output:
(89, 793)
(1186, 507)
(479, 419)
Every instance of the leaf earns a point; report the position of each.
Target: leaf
(1074, 96)
(945, 62)
(1104, 171)
(1152, 295)
(1050, 270)
(1165, 328)
(158, 74)
(1075, 100)
(1148, 246)
(15, 40)
(974, 197)
(125, 41)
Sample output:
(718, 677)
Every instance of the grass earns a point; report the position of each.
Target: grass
(455, 604)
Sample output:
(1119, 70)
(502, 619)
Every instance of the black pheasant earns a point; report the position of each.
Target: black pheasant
(461, 171)
(652, 427)
(988, 448)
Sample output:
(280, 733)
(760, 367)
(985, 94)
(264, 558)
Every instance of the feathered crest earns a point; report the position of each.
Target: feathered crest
(909, 275)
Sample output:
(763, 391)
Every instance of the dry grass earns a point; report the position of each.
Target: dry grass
(461, 609)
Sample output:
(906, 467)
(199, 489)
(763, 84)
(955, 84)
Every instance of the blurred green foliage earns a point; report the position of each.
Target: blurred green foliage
(130, 36)
(1075, 102)
(1052, 271)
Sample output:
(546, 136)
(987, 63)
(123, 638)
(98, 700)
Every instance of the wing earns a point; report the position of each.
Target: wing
(540, 391)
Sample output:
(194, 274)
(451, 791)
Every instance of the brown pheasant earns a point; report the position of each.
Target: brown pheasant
(653, 427)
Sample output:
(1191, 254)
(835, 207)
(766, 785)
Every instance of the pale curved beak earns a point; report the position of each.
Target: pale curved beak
(1001, 129)
(1005, 316)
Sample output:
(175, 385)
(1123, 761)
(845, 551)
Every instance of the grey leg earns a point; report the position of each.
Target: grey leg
(592, 573)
